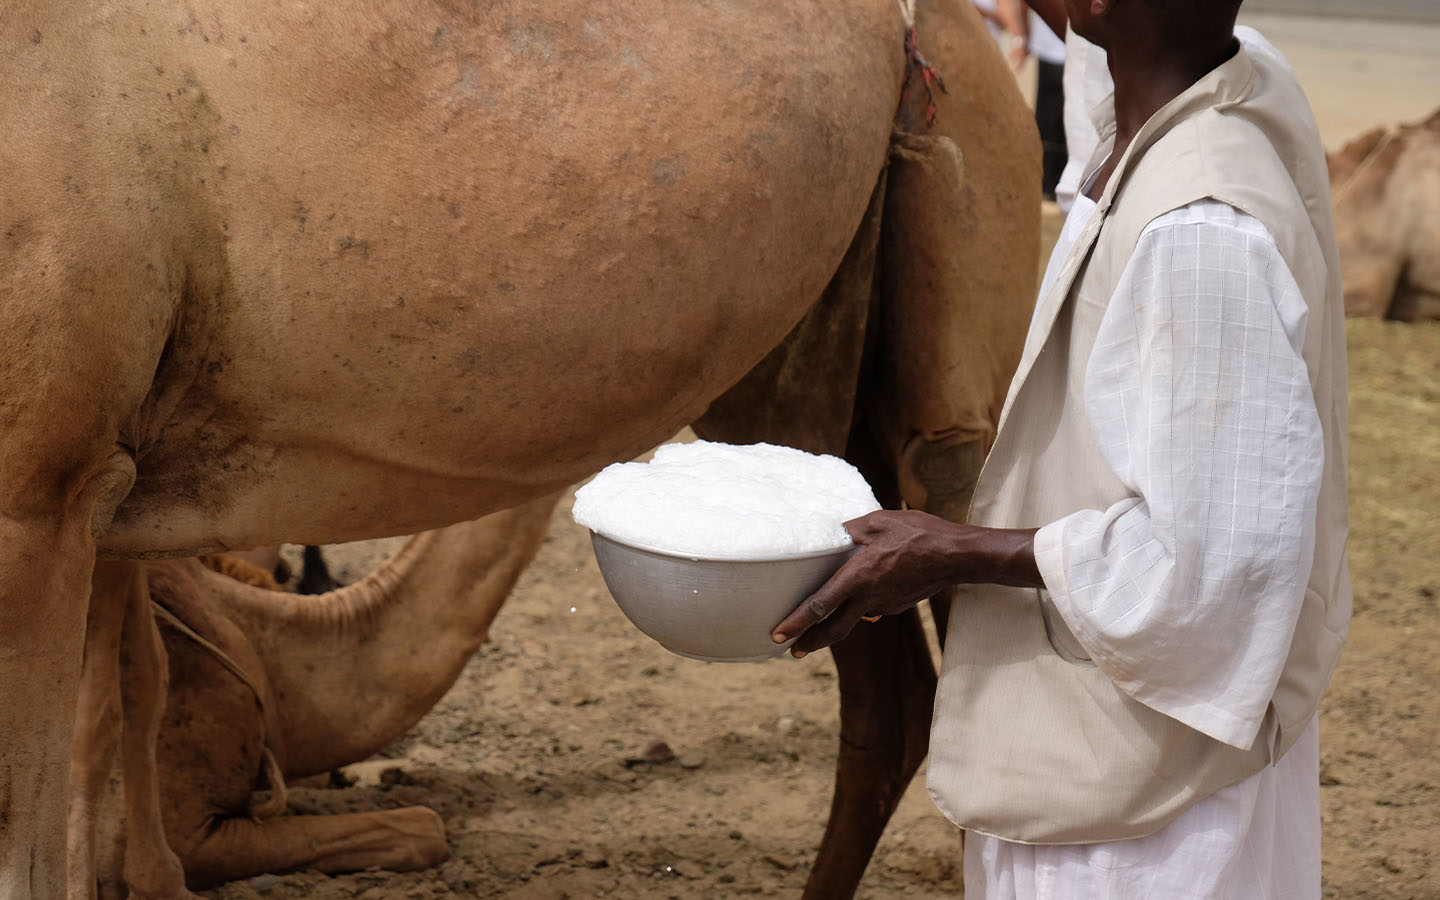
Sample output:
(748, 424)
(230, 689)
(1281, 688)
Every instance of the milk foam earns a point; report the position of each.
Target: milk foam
(727, 500)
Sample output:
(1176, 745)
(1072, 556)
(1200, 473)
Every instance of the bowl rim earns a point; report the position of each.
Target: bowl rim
(673, 554)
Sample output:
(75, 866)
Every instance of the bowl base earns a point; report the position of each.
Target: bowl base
(764, 657)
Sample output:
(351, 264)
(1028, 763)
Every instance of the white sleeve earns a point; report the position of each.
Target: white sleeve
(1187, 595)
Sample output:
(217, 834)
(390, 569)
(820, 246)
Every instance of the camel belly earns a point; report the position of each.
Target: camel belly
(437, 263)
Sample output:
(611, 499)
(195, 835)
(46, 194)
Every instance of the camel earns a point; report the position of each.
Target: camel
(1386, 191)
(266, 686)
(311, 274)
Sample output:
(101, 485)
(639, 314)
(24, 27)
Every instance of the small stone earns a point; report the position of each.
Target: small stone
(779, 862)
(686, 869)
(594, 859)
(655, 752)
(264, 882)
(424, 755)
(578, 695)
(785, 725)
(692, 760)
(374, 772)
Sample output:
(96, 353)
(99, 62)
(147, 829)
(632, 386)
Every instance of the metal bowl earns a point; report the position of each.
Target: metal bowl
(717, 610)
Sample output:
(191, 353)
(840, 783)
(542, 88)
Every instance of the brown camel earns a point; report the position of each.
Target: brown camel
(312, 274)
(1386, 190)
(266, 686)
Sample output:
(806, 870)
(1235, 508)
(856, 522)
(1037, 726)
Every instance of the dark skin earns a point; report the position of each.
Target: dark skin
(908, 555)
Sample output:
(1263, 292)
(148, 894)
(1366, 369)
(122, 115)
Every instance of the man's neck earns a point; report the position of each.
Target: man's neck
(1147, 76)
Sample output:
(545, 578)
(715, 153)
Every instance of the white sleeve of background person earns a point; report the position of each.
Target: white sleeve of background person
(1187, 594)
(1086, 82)
(1044, 44)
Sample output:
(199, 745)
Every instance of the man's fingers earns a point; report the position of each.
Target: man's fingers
(831, 631)
(862, 530)
(818, 606)
(815, 609)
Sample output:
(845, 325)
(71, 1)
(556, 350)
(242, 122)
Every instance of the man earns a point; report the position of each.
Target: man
(1156, 591)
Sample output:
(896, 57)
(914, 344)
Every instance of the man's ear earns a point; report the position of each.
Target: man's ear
(1101, 7)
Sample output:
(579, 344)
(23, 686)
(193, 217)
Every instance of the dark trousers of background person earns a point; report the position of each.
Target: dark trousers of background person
(1050, 118)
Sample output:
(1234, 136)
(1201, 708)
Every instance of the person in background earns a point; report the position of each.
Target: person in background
(1022, 33)
(1006, 21)
(1153, 587)
(1049, 51)
(1085, 82)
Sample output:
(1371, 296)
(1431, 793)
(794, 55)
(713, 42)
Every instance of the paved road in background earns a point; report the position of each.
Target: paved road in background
(1428, 10)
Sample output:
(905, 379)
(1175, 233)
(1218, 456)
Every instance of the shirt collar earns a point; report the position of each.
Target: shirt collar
(1223, 86)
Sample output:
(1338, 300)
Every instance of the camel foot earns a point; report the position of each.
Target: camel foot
(399, 840)
(178, 893)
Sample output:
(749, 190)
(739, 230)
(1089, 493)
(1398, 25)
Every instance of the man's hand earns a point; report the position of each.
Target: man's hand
(905, 557)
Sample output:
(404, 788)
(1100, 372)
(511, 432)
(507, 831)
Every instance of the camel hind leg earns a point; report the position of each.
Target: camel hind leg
(805, 394)
(398, 840)
(46, 557)
(943, 269)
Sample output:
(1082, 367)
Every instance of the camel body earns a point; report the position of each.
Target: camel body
(1386, 186)
(273, 273)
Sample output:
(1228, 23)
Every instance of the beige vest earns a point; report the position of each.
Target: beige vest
(1031, 741)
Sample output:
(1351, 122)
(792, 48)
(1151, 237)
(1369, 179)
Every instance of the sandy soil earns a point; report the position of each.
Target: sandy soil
(536, 759)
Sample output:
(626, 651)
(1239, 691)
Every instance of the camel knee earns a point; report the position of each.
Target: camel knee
(939, 475)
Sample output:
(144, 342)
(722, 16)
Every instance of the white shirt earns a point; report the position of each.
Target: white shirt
(1187, 595)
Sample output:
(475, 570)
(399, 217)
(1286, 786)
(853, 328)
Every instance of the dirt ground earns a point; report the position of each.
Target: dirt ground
(534, 758)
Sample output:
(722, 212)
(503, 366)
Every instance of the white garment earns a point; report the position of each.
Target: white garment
(1256, 840)
(1044, 44)
(1187, 595)
(1086, 82)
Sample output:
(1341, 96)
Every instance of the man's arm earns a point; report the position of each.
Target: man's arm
(905, 557)
(1187, 594)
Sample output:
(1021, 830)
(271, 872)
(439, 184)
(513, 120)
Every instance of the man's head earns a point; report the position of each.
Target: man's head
(1177, 24)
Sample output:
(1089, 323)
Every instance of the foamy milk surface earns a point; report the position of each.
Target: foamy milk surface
(727, 500)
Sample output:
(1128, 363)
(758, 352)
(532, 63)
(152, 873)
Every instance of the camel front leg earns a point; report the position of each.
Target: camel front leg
(398, 840)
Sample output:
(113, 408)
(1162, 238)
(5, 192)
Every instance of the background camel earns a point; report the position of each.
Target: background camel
(308, 275)
(265, 686)
(1386, 190)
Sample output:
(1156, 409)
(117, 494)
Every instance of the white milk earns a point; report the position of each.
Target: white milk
(727, 500)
